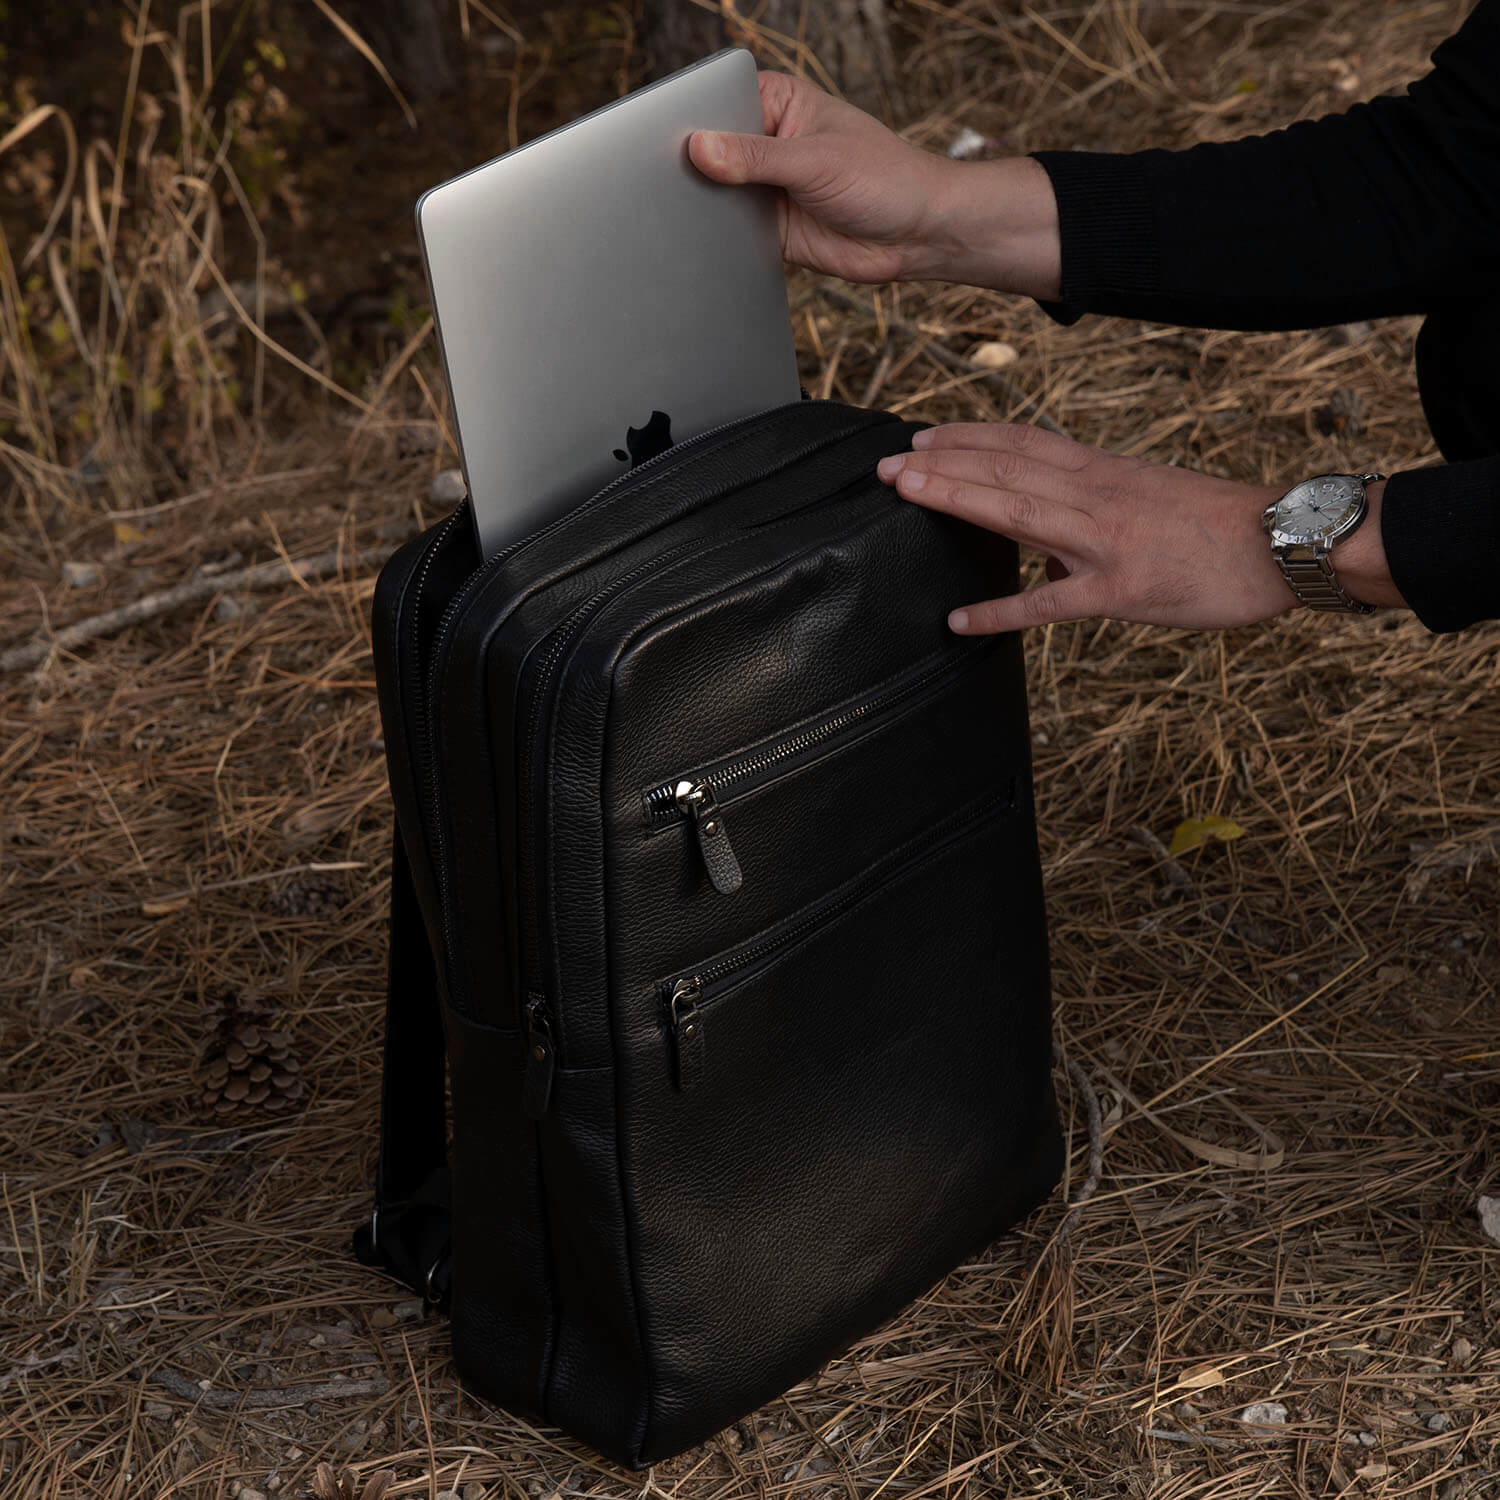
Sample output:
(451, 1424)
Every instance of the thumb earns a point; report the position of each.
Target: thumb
(727, 157)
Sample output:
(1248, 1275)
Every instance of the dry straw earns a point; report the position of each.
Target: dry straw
(1294, 1037)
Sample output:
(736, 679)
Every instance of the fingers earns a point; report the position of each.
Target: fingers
(995, 469)
(1048, 604)
(1031, 442)
(778, 162)
(779, 92)
(1026, 506)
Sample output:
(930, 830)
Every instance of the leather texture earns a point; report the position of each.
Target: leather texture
(723, 1099)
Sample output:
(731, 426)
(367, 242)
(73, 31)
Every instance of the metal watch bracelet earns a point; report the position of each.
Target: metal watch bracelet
(1314, 582)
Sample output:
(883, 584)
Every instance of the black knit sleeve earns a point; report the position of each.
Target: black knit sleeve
(1441, 529)
(1392, 207)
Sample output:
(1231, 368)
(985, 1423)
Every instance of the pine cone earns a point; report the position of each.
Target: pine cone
(1344, 413)
(345, 1485)
(242, 1062)
(309, 896)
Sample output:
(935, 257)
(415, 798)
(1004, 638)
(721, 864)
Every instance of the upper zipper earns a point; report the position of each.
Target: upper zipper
(684, 995)
(696, 796)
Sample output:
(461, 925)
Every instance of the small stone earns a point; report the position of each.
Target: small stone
(1367, 1440)
(447, 487)
(967, 144)
(382, 1318)
(1264, 1414)
(474, 1490)
(230, 608)
(409, 1311)
(1489, 1217)
(1439, 1421)
(80, 575)
(1186, 1412)
(1349, 1440)
(448, 1495)
(993, 355)
(1461, 1352)
(246, 1493)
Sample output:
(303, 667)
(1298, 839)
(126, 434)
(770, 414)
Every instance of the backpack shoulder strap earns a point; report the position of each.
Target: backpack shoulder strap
(408, 1231)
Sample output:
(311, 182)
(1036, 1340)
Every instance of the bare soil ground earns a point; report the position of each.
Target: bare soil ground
(1294, 1037)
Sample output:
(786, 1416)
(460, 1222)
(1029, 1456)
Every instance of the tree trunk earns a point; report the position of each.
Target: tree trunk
(843, 42)
(407, 36)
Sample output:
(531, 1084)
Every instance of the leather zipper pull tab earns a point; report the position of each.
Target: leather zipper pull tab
(696, 800)
(541, 1060)
(687, 1031)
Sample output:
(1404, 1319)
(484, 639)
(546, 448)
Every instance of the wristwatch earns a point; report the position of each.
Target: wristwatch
(1304, 526)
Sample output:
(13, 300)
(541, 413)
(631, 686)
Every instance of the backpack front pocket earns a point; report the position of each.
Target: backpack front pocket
(853, 1092)
(725, 846)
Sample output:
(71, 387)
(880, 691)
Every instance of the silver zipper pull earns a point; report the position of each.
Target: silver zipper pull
(541, 1059)
(687, 1031)
(696, 800)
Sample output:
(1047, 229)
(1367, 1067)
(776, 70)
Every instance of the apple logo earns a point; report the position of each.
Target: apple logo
(646, 442)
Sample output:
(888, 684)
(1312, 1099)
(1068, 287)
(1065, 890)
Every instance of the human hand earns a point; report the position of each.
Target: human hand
(1125, 539)
(859, 202)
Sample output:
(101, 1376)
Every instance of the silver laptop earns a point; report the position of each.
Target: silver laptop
(597, 299)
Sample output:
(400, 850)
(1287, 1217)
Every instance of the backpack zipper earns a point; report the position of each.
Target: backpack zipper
(695, 797)
(685, 995)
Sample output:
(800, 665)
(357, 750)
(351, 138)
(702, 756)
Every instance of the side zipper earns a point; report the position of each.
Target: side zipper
(694, 798)
(541, 1058)
(685, 996)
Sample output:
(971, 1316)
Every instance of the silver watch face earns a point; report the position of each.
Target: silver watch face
(1315, 509)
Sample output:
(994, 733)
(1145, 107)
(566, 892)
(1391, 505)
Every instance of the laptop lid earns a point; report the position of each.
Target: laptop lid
(597, 298)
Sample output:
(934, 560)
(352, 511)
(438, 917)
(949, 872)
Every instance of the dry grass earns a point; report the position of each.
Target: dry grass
(1296, 1037)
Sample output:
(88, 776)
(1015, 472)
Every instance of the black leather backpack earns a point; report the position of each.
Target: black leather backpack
(716, 892)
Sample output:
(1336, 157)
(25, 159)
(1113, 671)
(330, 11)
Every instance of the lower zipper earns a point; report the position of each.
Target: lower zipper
(685, 996)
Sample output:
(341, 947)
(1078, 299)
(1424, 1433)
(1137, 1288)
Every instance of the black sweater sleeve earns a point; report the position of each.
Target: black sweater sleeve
(1390, 208)
(1441, 530)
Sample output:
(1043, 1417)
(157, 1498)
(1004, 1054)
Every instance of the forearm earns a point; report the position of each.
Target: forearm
(994, 224)
(1392, 207)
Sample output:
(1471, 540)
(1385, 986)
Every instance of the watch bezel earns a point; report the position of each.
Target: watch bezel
(1350, 518)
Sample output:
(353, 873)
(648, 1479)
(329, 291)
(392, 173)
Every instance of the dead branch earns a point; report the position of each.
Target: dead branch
(261, 576)
(290, 1395)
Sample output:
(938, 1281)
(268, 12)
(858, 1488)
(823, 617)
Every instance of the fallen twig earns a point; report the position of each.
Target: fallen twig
(1090, 1184)
(148, 606)
(1178, 878)
(290, 1395)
